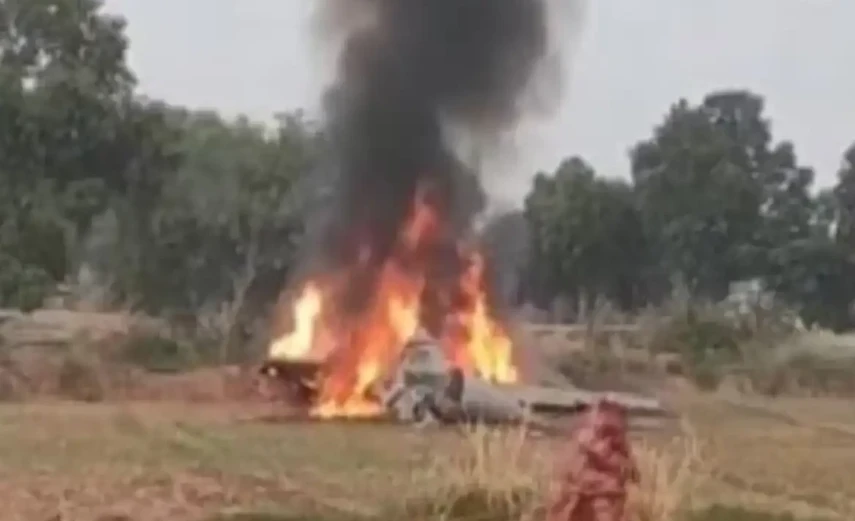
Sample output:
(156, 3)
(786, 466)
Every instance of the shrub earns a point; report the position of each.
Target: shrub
(82, 377)
(801, 374)
(695, 335)
(157, 353)
(23, 286)
(705, 341)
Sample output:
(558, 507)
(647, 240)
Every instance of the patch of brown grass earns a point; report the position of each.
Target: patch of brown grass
(776, 454)
(137, 494)
(504, 475)
(155, 460)
(671, 474)
(495, 475)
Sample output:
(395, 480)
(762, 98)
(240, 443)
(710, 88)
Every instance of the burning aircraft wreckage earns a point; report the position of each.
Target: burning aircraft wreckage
(394, 318)
(425, 388)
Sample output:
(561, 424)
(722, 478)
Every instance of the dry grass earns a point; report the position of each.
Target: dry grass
(183, 462)
(505, 475)
(778, 455)
(671, 474)
(494, 474)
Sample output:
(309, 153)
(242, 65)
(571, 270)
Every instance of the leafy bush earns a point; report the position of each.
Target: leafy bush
(157, 353)
(706, 343)
(696, 335)
(603, 368)
(22, 286)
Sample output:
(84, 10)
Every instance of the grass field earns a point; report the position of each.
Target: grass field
(179, 461)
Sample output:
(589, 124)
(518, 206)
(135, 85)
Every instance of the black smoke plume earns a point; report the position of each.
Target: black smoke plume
(402, 79)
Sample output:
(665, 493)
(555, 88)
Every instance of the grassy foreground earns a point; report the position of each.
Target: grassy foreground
(185, 462)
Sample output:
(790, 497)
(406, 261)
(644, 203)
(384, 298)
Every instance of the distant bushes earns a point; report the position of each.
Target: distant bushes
(803, 374)
(758, 353)
(75, 374)
(83, 368)
(157, 353)
(705, 343)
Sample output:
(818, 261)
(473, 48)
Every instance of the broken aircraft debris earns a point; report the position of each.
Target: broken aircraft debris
(426, 389)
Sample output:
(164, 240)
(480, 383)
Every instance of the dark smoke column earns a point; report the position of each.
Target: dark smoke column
(400, 81)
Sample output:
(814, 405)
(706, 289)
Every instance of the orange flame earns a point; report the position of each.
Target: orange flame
(481, 342)
(364, 347)
(307, 309)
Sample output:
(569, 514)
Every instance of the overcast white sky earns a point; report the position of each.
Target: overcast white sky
(634, 58)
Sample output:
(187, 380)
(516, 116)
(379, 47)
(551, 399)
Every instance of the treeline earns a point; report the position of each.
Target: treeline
(161, 208)
(173, 211)
(713, 199)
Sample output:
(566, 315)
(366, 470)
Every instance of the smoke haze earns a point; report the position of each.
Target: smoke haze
(423, 90)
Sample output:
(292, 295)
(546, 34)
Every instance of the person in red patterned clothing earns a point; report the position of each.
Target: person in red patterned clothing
(592, 478)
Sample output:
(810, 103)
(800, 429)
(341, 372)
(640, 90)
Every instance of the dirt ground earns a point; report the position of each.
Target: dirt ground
(183, 448)
(180, 461)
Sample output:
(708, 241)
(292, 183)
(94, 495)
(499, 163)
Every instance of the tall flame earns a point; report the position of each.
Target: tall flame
(361, 348)
(479, 341)
(307, 309)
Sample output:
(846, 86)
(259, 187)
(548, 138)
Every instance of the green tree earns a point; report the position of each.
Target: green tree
(815, 268)
(63, 86)
(586, 236)
(791, 225)
(720, 200)
(66, 83)
(844, 197)
(223, 233)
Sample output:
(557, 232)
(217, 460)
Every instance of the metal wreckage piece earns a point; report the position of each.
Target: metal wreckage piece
(425, 389)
